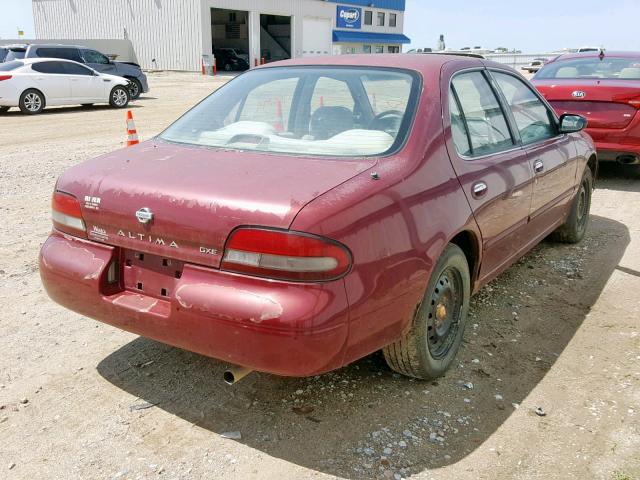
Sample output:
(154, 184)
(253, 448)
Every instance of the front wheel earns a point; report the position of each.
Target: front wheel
(575, 227)
(135, 88)
(428, 350)
(31, 102)
(119, 97)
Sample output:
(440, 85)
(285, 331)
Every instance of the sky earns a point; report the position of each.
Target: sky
(531, 26)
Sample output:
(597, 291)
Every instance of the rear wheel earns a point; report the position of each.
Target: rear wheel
(31, 102)
(431, 345)
(575, 227)
(135, 88)
(119, 97)
(4, 109)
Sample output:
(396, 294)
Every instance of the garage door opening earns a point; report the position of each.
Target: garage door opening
(275, 37)
(230, 39)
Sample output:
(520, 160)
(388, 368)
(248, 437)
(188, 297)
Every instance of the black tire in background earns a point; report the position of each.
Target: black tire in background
(575, 227)
(135, 89)
(31, 102)
(430, 347)
(4, 109)
(119, 96)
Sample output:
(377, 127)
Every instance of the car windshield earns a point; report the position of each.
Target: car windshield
(7, 67)
(592, 67)
(327, 111)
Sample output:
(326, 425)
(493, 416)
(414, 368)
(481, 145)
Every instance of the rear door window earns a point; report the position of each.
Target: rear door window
(56, 68)
(483, 117)
(533, 119)
(59, 52)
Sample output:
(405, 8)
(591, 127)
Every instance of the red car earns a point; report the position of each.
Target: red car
(314, 211)
(604, 87)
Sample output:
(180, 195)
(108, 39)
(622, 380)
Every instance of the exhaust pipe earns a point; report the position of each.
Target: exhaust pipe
(627, 159)
(235, 374)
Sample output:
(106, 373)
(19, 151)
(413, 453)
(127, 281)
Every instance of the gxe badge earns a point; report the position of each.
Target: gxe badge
(144, 215)
(578, 94)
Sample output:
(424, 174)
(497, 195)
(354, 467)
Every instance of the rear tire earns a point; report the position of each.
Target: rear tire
(31, 102)
(119, 97)
(4, 109)
(575, 227)
(430, 347)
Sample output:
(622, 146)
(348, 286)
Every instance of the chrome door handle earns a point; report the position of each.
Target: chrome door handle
(538, 166)
(479, 189)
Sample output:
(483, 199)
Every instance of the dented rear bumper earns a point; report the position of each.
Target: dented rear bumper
(284, 328)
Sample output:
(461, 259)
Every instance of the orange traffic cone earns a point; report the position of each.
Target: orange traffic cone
(204, 72)
(132, 133)
(279, 125)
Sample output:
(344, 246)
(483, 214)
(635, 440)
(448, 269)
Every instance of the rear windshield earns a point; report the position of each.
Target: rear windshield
(15, 54)
(593, 67)
(329, 111)
(6, 67)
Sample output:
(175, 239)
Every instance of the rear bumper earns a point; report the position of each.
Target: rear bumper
(143, 82)
(276, 327)
(613, 142)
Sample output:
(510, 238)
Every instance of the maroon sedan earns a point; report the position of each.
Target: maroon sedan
(604, 87)
(314, 211)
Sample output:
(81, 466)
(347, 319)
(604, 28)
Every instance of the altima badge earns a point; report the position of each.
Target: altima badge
(144, 215)
(578, 94)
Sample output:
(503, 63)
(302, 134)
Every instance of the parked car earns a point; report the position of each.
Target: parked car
(534, 65)
(34, 83)
(605, 89)
(92, 58)
(326, 208)
(228, 59)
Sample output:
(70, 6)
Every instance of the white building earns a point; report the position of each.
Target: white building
(175, 34)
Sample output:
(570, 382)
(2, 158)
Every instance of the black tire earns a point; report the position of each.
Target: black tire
(228, 67)
(119, 97)
(135, 89)
(32, 102)
(430, 347)
(4, 109)
(575, 227)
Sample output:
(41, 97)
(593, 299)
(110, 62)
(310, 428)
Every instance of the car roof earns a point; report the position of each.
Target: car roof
(29, 61)
(418, 62)
(613, 54)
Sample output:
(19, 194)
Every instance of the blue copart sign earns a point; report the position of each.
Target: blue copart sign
(348, 17)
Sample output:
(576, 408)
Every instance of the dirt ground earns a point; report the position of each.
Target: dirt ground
(559, 331)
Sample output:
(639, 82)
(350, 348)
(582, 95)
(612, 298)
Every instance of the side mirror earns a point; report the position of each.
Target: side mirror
(570, 123)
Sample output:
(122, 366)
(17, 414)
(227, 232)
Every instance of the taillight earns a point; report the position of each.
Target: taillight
(66, 213)
(5, 77)
(284, 255)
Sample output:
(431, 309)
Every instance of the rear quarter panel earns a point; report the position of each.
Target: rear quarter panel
(396, 227)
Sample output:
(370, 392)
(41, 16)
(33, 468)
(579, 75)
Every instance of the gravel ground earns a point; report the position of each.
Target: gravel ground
(547, 383)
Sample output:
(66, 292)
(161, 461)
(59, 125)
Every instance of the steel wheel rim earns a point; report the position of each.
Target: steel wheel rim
(583, 205)
(119, 97)
(444, 313)
(32, 102)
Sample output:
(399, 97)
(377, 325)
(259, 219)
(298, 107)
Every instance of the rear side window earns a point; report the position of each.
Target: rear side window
(7, 67)
(484, 119)
(3, 54)
(59, 52)
(611, 68)
(75, 69)
(532, 117)
(56, 68)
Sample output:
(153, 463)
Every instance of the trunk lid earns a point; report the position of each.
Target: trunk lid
(197, 196)
(605, 103)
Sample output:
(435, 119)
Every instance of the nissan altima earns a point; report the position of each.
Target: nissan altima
(313, 211)
(33, 84)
